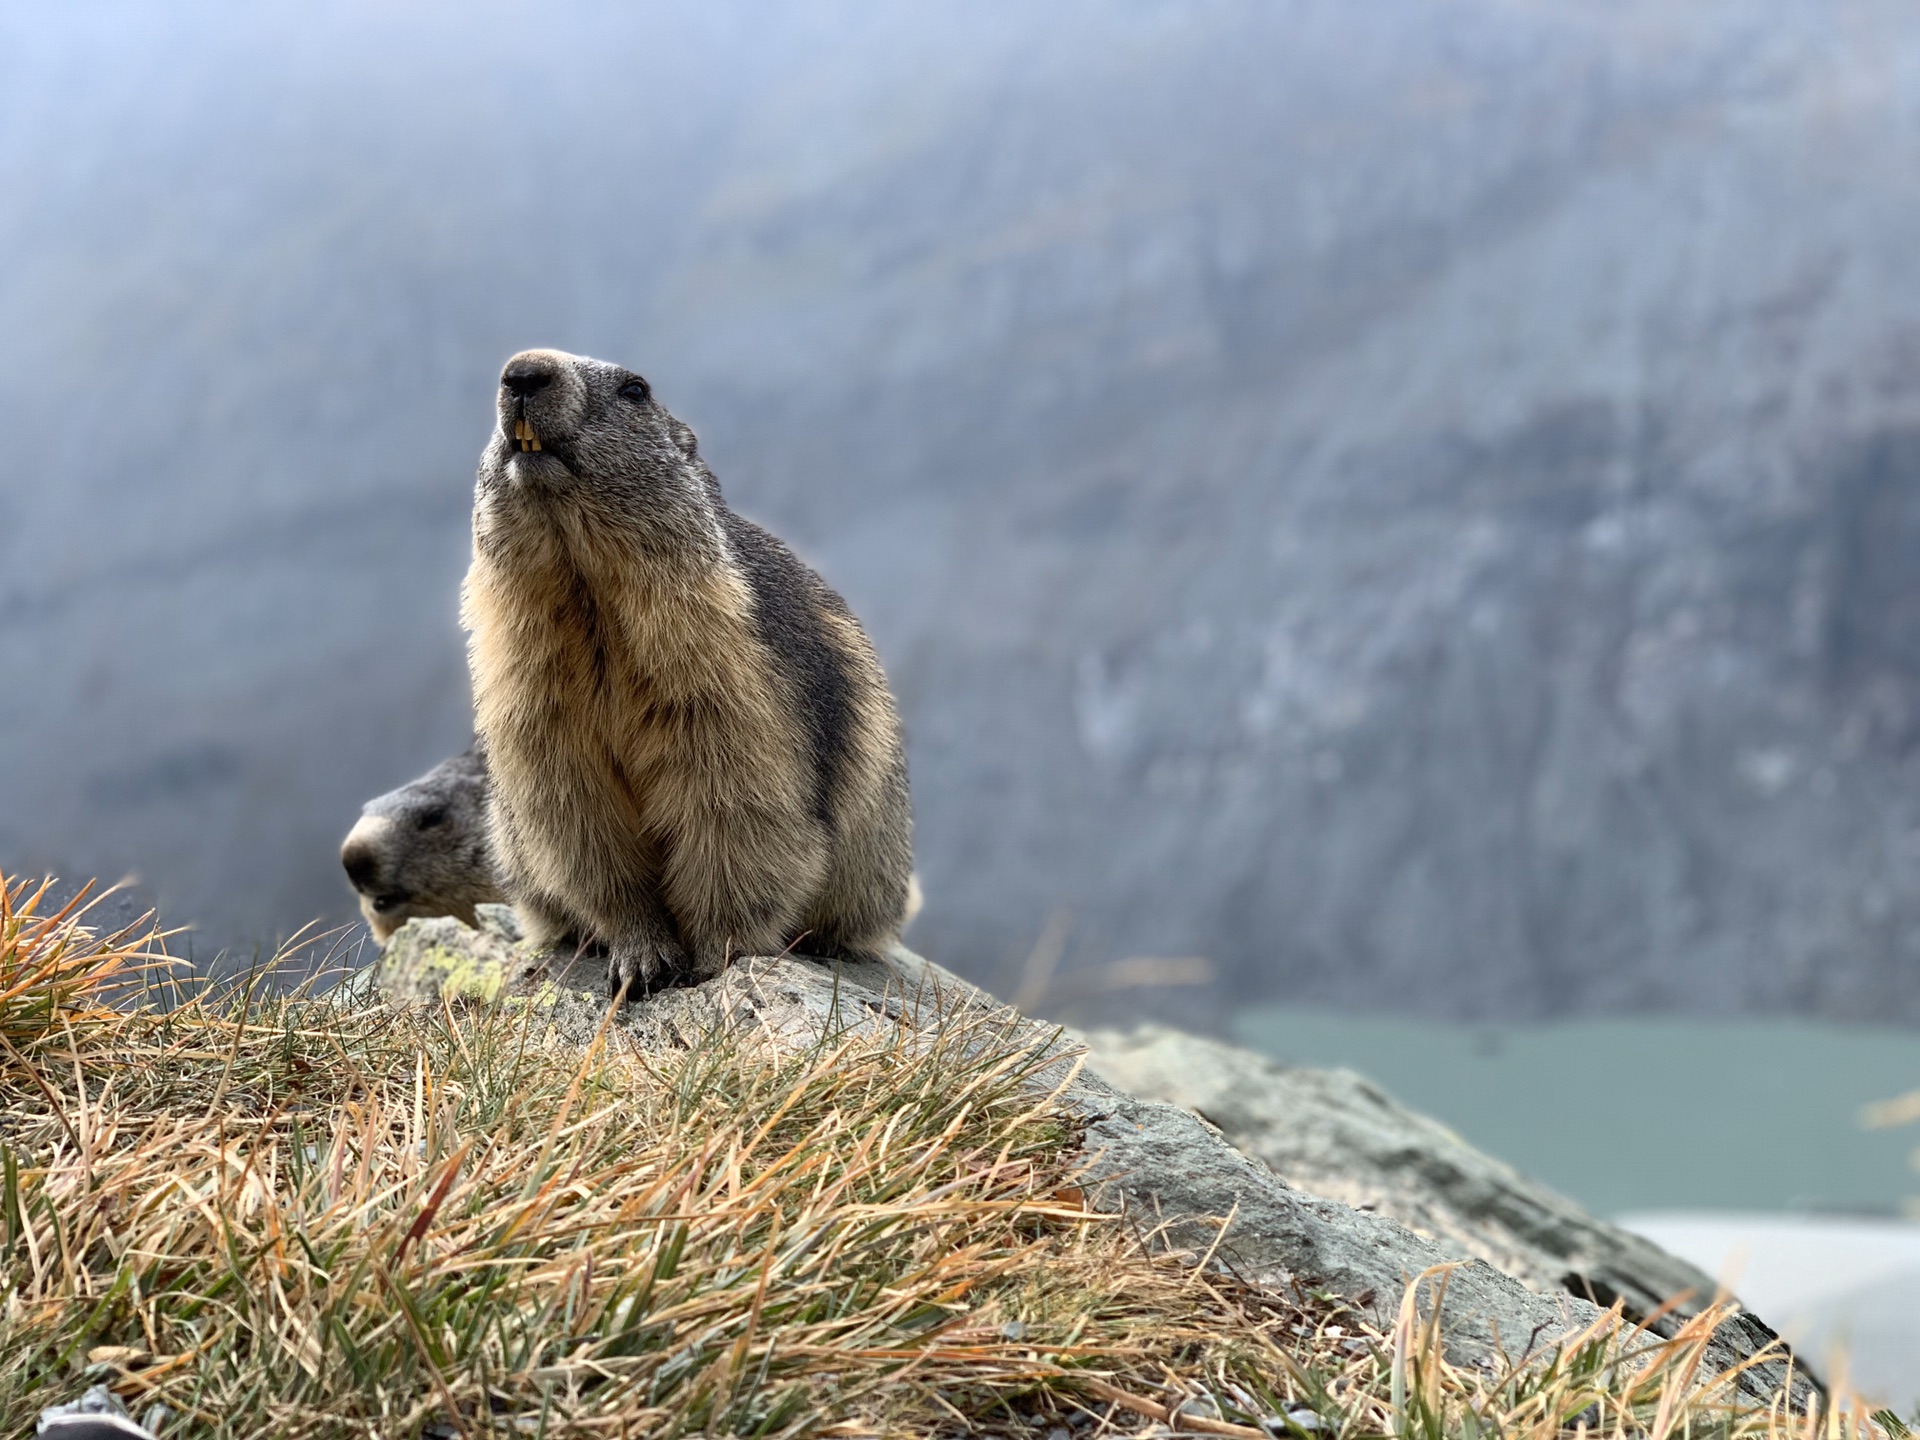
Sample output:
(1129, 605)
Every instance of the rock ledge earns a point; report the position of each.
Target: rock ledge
(1155, 1160)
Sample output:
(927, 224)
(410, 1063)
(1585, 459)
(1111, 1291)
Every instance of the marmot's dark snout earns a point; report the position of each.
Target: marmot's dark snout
(529, 374)
(361, 860)
(537, 398)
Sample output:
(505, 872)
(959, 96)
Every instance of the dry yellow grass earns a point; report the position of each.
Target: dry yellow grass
(300, 1217)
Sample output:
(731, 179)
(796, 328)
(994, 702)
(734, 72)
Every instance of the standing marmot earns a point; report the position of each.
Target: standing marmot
(693, 750)
(422, 849)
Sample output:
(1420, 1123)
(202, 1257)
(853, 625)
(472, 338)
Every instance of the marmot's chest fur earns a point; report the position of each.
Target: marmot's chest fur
(692, 745)
(621, 699)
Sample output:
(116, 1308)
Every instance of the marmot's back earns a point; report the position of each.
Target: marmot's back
(693, 750)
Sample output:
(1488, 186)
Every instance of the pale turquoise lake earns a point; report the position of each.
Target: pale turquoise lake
(1645, 1113)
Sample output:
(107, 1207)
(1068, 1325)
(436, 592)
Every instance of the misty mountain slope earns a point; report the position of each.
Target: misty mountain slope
(1414, 504)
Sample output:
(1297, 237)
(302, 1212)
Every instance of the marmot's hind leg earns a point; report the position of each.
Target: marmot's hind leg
(862, 907)
(822, 947)
(736, 884)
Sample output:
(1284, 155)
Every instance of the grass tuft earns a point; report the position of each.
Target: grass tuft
(312, 1217)
(55, 970)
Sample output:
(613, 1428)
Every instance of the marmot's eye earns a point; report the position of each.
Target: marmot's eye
(428, 819)
(636, 391)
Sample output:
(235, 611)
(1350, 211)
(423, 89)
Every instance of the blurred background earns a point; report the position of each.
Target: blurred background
(1415, 504)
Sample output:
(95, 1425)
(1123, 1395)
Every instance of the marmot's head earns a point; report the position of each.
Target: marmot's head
(421, 850)
(589, 437)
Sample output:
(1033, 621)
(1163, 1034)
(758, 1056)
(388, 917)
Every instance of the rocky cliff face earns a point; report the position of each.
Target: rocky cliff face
(1415, 502)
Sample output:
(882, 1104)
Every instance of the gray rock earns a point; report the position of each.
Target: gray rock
(96, 1415)
(1174, 1173)
(1335, 1133)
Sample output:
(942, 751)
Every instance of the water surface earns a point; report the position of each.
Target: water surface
(1635, 1114)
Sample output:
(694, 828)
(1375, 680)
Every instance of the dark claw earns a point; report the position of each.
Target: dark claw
(641, 971)
(623, 988)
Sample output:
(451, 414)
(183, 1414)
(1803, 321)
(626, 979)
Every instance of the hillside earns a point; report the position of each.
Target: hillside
(1414, 502)
(737, 1209)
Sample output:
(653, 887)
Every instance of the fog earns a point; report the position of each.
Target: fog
(1416, 503)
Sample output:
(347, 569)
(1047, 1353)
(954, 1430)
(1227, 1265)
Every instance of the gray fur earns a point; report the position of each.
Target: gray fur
(421, 850)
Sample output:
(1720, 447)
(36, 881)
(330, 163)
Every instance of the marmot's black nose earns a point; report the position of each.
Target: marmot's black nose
(362, 864)
(524, 375)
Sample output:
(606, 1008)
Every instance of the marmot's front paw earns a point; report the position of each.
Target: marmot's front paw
(635, 969)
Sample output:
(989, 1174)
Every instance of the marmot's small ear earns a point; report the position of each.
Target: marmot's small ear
(683, 437)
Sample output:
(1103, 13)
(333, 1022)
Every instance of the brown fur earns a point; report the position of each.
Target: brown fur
(655, 782)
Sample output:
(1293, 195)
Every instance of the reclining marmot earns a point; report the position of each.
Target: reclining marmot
(421, 850)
